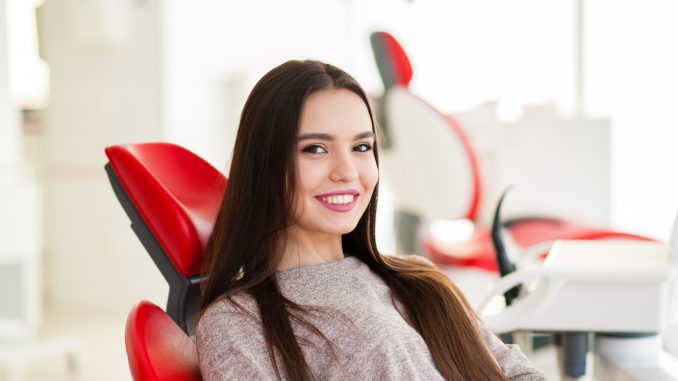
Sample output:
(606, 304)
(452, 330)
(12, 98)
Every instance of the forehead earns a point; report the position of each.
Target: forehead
(335, 111)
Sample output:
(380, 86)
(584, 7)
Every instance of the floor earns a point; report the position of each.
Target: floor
(98, 342)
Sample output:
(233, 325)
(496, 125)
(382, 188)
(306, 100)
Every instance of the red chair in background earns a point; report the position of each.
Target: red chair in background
(414, 129)
(172, 197)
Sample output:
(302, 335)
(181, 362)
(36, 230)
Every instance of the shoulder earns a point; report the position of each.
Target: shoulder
(236, 303)
(229, 320)
(230, 341)
(237, 308)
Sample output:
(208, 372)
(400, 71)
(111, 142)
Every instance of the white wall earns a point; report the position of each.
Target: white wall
(632, 76)
(104, 59)
(465, 53)
(10, 143)
(20, 214)
(214, 52)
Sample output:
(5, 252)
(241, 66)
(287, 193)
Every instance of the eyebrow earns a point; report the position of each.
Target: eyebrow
(323, 136)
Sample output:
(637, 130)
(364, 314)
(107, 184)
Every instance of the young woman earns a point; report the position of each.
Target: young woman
(296, 288)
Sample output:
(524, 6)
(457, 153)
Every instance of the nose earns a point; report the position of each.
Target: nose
(343, 168)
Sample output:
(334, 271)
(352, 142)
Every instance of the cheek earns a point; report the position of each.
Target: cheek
(309, 178)
(370, 175)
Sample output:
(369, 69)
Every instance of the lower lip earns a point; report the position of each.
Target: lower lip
(339, 207)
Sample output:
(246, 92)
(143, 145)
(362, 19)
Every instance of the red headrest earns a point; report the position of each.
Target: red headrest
(157, 349)
(177, 193)
(392, 61)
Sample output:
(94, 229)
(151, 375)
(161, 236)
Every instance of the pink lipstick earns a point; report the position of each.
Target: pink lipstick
(336, 201)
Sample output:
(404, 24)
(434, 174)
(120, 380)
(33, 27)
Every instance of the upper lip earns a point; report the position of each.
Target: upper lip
(340, 192)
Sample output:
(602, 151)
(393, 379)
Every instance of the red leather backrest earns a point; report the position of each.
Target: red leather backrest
(177, 193)
(157, 349)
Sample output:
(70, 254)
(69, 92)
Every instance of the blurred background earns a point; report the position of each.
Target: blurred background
(79, 75)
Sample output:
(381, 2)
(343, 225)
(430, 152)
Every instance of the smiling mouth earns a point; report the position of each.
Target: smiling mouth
(338, 199)
(338, 202)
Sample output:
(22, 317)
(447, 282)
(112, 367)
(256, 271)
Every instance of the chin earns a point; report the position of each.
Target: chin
(343, 229)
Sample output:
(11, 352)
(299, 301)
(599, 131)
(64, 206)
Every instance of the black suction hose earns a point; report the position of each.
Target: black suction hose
(505, 265)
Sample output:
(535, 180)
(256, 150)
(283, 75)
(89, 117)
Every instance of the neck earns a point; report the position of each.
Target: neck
(305, 249)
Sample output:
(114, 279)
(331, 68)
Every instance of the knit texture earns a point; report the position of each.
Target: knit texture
(370, 336)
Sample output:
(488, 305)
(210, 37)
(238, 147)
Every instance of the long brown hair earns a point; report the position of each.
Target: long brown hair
(249, 236)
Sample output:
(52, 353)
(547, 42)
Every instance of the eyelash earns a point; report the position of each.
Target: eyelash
(368, 147)
(312, 149)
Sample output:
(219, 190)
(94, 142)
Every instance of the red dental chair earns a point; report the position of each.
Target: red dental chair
(157, 349)
(455, 191)
(172, 197)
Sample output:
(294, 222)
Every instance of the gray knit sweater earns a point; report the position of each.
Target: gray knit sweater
(371, 340)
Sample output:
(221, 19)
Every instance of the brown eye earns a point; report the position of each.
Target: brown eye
(364, 147)
(314, 148)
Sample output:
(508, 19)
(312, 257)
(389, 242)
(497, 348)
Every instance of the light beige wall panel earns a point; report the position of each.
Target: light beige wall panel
(105, 90)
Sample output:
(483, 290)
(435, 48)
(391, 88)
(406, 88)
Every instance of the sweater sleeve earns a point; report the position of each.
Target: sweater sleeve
(231, 347)
(511, 360)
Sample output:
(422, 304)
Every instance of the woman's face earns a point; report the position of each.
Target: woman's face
(336, 167)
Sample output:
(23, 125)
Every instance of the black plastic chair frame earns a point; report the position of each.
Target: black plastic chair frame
(183, 302)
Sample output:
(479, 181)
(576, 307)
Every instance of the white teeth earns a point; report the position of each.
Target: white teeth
(339, 200)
